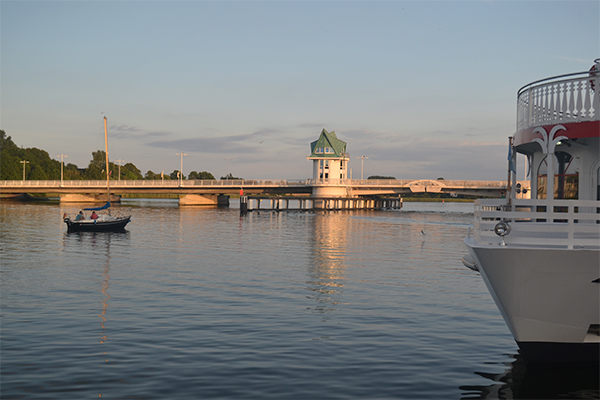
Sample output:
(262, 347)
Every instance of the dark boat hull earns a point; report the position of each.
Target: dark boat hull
(564, 353)
(117, 225)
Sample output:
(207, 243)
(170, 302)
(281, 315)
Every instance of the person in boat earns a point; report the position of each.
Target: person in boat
(80, 216)
(94, 215)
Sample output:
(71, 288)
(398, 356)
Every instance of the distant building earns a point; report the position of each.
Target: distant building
(330, 160)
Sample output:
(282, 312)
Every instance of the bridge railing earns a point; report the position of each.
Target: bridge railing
(255, 182)
(152, 183)
(459, 184)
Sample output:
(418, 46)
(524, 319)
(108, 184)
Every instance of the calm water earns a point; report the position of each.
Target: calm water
(196, 303)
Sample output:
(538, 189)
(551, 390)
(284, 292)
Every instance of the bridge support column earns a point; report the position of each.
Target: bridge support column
(329, 191)
(209, 200)
(88, 198)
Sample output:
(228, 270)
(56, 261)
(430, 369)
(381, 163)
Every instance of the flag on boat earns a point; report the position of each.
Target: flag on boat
(511, 160)
(104, 207)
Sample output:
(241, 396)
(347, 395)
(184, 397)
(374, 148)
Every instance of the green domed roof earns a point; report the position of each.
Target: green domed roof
(328, 145)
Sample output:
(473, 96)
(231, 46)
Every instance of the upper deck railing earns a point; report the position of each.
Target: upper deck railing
(560, 99)
(539, 223)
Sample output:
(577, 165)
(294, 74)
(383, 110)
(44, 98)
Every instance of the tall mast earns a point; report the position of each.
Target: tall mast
(107, 171)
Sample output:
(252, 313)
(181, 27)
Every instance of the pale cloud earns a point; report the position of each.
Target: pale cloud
(226, 145)
(123, 128)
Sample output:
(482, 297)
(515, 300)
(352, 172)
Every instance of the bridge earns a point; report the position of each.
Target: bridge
(208, 192)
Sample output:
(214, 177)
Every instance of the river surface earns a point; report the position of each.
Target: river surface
(194, 303)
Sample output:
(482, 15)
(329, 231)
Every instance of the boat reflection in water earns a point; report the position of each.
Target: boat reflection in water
(538, 381)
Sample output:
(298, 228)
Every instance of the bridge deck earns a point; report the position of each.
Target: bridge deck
(356, 187)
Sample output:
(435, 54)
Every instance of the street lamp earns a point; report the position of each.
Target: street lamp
(24, 162)
(119, 161)
(362, 164)
(62, 163)
(181, 169)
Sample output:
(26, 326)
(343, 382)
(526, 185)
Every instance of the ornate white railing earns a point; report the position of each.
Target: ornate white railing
(540, 223)
(562, 99)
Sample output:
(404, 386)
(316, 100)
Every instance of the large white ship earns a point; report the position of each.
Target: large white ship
(540, 256)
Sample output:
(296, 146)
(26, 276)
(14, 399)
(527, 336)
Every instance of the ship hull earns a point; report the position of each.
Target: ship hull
(549, 298)
(560, 353)
(115, 225)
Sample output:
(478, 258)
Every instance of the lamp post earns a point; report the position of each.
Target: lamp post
(62, 163)
(119, 161)
(181, 169)
(362, 164)
(24, 162)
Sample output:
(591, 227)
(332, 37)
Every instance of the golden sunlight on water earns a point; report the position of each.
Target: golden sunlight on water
(200, 303)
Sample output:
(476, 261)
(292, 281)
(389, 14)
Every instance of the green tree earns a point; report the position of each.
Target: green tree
(9, 158)
(97, 166)
(39, 165)
(231, 177)
(130, 172)
(152, 175)
(175, 175)
(71, 172)
(201, 175)
(42, 167)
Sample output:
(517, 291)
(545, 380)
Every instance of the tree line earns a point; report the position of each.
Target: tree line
(40, 166)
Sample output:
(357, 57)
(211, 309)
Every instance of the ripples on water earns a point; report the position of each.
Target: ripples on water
(200, 303)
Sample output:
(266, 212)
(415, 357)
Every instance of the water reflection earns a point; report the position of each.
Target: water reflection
(326, 273)
(101, 240)
(99, 243)
(105, 285)
(520, 381)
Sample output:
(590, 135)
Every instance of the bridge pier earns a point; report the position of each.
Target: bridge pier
(209, 200)
(326, 190)
(88, 198)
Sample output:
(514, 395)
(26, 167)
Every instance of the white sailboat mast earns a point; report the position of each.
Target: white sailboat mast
(107, 171)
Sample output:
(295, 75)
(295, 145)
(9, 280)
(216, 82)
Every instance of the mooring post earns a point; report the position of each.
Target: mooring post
(243, 205)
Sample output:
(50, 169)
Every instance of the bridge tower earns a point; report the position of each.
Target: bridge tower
(330, 165)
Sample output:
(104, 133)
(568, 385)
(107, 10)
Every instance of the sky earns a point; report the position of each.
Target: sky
(424, 89)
